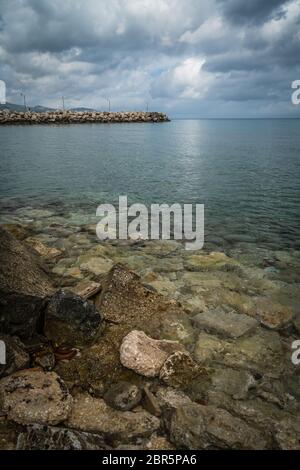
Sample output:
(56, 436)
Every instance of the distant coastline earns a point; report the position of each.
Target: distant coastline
(8, 117)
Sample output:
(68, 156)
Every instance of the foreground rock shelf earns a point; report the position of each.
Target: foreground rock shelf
(109, 362)
(75, 117)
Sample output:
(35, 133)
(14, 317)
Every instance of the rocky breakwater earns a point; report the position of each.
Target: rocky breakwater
(78, 117)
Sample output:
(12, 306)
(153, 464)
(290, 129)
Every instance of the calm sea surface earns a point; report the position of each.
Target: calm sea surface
(246, 172)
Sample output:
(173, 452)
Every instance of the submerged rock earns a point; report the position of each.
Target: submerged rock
(123, 396)
(272, 315)
(94, 415)
(260, 353)
(43, 250)
(235, 383)
(168, 400)
(40, 437)
(179, 369)
(195, 426)
(72, 320)
(97, 266)
(16, 355)
(208, 347)
(228, 324)
(145, 355)
(33, 396)
(86, 289)
(24, 286)
(208, 261)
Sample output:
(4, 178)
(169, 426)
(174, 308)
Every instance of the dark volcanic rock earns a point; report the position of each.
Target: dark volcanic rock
(23, 288)
(16, 356)
(40, 437)
(71, 320)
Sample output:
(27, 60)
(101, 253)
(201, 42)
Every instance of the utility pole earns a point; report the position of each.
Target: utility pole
(108, 100)
(63, 102)
(24, 100)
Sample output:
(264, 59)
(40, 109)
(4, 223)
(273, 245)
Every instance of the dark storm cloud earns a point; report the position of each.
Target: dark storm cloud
(252, 11)
(209, 55)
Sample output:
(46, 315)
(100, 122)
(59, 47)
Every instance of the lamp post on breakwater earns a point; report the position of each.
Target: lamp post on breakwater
(24, 100)
(108, 100)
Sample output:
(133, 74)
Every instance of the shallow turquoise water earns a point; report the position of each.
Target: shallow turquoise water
(246, 172)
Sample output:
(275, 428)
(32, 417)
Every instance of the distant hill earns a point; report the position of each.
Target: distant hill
(20, 107)
(38, 108)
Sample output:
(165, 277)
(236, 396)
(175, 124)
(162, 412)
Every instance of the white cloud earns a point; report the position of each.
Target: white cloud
(184, 80)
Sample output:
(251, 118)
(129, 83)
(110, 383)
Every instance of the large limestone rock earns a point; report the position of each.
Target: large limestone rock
(125, 300)
(195, 426)
(34, 396)
(71, 319)
(145, 355)
(38, 437)
(16, 355)
(227, 324)
(95, 416)
(23, 288)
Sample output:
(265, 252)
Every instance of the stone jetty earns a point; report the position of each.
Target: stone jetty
(8, 117)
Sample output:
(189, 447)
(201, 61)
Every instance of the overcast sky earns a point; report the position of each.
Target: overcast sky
(202, 58)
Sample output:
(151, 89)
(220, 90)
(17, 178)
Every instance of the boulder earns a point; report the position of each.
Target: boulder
(71, 320)
(38, 437)
(16, 355)
(34, 396)
(123, 396)
(24, 285)
(227, 324)
(94, 415)
(145, 355)
(125, 300)
(195, 426)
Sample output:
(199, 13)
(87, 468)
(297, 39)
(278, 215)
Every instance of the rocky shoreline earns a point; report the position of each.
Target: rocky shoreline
(78, 117)
(107, 361)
